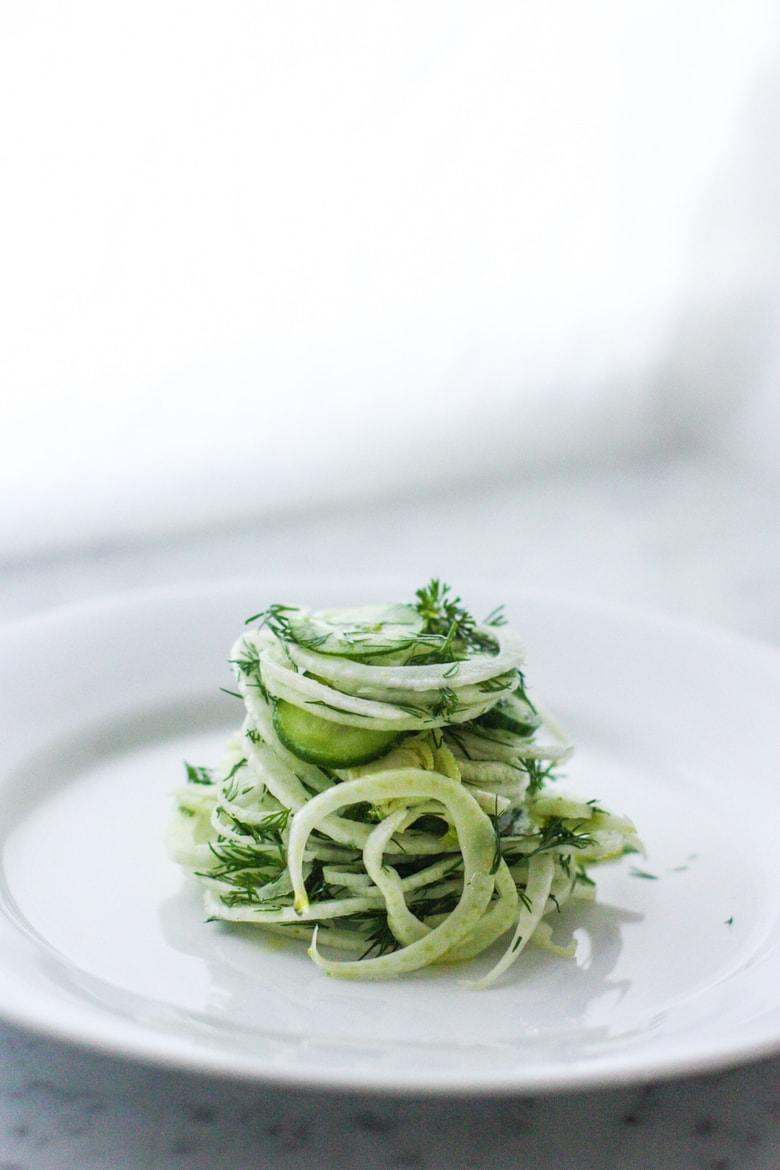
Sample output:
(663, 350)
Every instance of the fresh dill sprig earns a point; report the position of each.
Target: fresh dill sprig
(230, 788)
(441, 612)
(245, 869)
(446, 704)
(453, 737)
(378, 935)
(316, 886)
(249, 662)
(642, 873)
(197, 775)
(498, 855)
(539, 773)
(500, 682)
(247, 866)
(276, 620)
(526, 902)
(248, 665)
(271, 827)
(267, 616)
(496, 617)
(268, 831)
(432, 906)
(557, 835)
(444, 616)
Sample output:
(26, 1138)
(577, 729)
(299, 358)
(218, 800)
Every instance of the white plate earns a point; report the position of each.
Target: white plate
(103, 942)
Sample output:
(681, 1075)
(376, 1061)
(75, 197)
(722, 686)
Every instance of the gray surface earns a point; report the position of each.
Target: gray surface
(63, 1110)
(690, 539)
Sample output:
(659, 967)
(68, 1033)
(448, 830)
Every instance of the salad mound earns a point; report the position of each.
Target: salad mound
(389, 795)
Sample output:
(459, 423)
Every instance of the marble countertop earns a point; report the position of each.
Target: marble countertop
(684, 537)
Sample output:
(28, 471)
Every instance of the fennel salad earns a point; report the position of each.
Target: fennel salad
(391, 796)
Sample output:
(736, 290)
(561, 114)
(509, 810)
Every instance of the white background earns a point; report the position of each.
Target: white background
(261, 255)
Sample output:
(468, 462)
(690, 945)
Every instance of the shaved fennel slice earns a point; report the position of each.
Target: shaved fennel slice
(371, 681)
(477, 841)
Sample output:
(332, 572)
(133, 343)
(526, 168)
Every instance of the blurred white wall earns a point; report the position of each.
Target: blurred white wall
(257, 253)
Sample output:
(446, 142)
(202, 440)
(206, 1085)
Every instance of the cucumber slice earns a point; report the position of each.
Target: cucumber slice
(328, 744)
(511, 714)
(356, 633)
